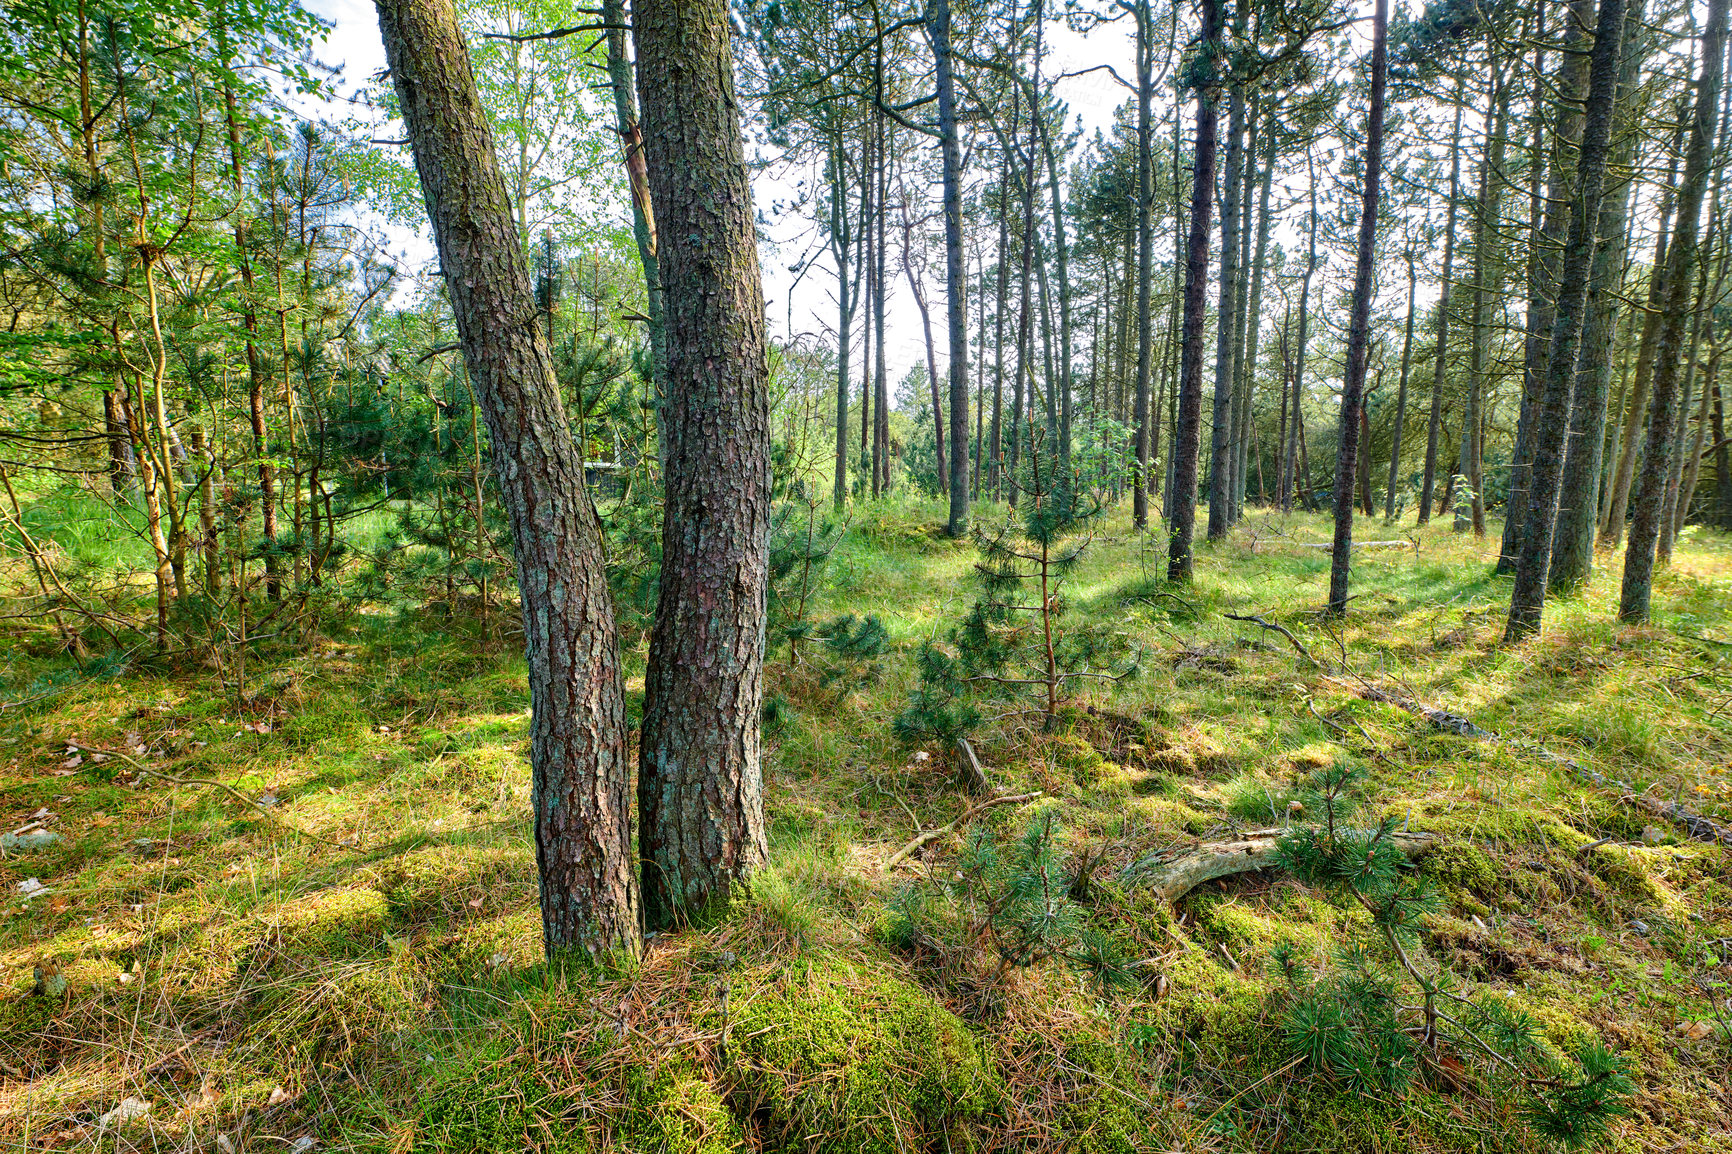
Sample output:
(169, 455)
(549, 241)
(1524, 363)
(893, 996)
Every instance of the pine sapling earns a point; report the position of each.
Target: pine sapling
(1384, 1016)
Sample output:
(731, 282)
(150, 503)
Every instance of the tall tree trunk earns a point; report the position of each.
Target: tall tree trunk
(1487, 269)
(1636, 402)
(1359, 326)
(1551, 424)
(250, 326)
(581, 790)
(1722, 460)
(1669, 502)
(643, 224)
(1291, 476)
(840, 243)
(1584, 462)
(1188, 434)
(956, 303)
(1401, 390)
(1025, 324)
(1638, 585)
(1253, 315)
(1439, 372)
(1220, 441)
(1545, 261)
(942, 463)
(1145, 246)
(1061, 261)
(700, 775)
(999, 298)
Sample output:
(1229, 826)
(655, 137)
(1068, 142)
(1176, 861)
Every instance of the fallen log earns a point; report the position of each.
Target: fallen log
(1173, 878)
(1696, 825)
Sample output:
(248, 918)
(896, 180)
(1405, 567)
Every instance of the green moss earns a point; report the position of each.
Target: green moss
(1102, 1116)
(1566, 1033)
(1244, 930)
(1465, 874)
(494, 1103)
(1218, 1014)
(1327, 1122)
(1084, 762)
(673, 1110)
(839, 1061)
(1629, 871)
(440, 881)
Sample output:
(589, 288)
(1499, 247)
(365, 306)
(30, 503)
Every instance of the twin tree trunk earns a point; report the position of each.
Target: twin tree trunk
(700, 791)
(1359, 327)
(700, 779)
(581, 787)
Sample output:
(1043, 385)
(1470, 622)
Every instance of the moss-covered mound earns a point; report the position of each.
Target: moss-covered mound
(842, 1061)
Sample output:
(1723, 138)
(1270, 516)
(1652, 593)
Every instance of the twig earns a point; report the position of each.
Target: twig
(146, 771)
(1696, 825)
(1282, 630)
(968, 815)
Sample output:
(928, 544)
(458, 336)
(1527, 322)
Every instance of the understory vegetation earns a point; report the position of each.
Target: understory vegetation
(299, 908)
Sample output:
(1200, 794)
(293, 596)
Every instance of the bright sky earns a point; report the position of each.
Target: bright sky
(354, 45)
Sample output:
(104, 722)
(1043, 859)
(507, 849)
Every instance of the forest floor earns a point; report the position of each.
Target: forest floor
(304, 915)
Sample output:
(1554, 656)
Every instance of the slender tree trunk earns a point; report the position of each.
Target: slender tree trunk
(1722, 460)
(1401, 391)
(1003, 291)
(700, 775)
(1669, 502)
(1296, 428)
(589, 889)
(840, 244)
(1439, 371)
(643, 223)
(955, 275)
(250, 326)
(1146, 251)
(1359, 326)
(1636, 403)
(1545, 263)
(1638, 585)
(1552, 417)
(1584, 461)
(1253, 316)
(1487, 269)
(1188, 438)
(1024, 388)
(1220, 442)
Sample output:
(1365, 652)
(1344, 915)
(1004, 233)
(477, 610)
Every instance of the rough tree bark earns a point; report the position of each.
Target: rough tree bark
(1428, 483)
(1546, 261)
(1401, 389)
(1220, 440)
(1188, 430)
(700, 777)
(1551, 423)
(1359, 326)
(956, 304)
(643, 224)
(1579, 493)
(1638, 586)
(581, 791)
(1146, 251)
